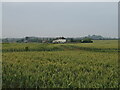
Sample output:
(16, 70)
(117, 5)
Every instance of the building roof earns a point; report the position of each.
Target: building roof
(60, 38)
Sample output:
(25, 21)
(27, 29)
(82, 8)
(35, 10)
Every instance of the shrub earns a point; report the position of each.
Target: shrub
(87, 40)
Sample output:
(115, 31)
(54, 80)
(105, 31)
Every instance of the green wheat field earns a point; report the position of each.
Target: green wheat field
(69, 65)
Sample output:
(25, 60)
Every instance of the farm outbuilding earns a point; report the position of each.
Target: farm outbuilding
(59, 40)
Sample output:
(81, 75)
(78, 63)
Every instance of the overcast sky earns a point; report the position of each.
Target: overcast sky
(44, 19)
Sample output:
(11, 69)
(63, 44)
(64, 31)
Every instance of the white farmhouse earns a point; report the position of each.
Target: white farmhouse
(59, 40)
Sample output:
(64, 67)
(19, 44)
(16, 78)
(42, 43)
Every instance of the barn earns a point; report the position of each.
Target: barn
(59, 40)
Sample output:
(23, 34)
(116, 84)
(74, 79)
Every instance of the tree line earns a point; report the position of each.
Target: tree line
(86, 39)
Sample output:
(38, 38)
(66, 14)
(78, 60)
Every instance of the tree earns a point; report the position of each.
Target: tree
(5, 40)
(87, 40)
(20, 41)
(71, 40)
(26, 38)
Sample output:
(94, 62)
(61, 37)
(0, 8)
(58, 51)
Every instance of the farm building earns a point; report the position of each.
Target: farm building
(59, 40)
(25, 41)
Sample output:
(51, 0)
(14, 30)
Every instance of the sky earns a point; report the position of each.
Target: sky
(59, 0)
(0, 20)
(54, 19)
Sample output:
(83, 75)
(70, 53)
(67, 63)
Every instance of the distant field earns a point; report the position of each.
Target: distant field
(70, 65)
(97, 45)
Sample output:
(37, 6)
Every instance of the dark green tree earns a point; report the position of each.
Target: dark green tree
(87, 40)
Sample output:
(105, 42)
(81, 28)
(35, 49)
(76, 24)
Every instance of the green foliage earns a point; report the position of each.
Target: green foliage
(78, 65)
(98, 45)
(72, 40)
(26, 48)
(87, 40)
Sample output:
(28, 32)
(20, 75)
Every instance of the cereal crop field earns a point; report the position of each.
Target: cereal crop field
(69, 65)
